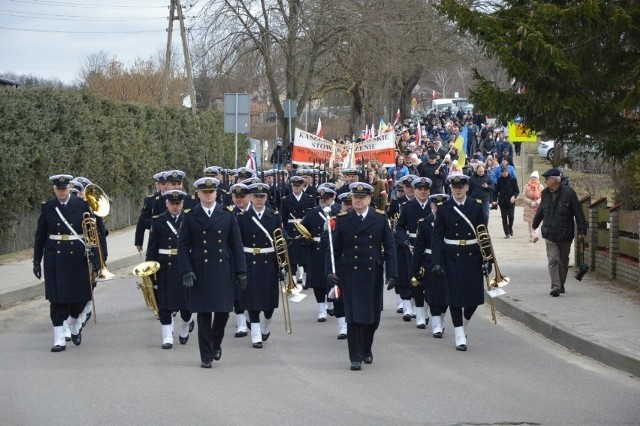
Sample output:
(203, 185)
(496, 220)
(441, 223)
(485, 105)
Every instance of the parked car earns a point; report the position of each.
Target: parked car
(545, 149)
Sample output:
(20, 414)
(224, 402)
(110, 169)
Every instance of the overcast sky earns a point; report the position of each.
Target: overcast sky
(51, 38)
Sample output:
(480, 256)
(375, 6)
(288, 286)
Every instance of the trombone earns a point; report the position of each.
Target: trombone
(489, 256)
(288, 287)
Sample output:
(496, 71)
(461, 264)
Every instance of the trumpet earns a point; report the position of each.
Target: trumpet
(304, 232)
(145, 270)
(91, 241)
(288, 287)
(488, 256)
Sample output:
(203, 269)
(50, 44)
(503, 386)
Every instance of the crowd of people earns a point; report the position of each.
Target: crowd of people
(345, 231)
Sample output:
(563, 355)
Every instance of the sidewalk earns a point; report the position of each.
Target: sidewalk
(594, 317)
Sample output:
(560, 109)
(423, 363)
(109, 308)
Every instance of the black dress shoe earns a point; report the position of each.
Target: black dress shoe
(217, 354)
(257, 345)
(265, 337)
(511, 233)
(76, 339)
(192, 324)
(562, 289)
(331, 312)
(205, 364)
(67, 339)
(342, 336)
(240, 334)
(58, 348)
(554, 293)
(167, 346)
(399, 310)
(506, 237)
(461, 348)
(368, 359)
(438, 334)
(421, 326)
(183, 340)
(406, 317)
(356, 365)
(321, 319)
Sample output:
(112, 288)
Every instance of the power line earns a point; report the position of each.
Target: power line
(86, 6)
(80, 32)
(58, 17)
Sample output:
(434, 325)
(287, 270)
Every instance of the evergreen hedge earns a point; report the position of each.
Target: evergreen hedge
(118, 146)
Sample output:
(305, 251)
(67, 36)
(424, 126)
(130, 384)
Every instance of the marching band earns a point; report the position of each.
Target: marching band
(217, 251)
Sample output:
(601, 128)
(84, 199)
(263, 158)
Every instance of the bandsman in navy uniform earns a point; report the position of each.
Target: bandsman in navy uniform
(223, 196)
(403, 289)
(294, 207)
(59, 240)
(171, 295)
(406, 228)
(144, 220)
(263, 290)
(79, 184)
(434, 290)
(351, 175)
(244, 173)
(315, 221)
(308, 187)
(338, 305)
(393, 213)
(364, 250)
(240, 196)
(456, 255)
(210, 253)
(175, 181)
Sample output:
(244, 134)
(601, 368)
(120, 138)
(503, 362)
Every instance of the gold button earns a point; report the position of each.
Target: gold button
(254, 262)
(355, 267)
(169, 247)
(219, 231)
(220, 260)
(204, 241)
(220, 251)
(371, 258)
(204, 232)
(71, 251)
(370, 247)
(370, 236)
(355, 257)
(369, 268)
(58, 242)
(206, 251)
(206, 260)
(169, 263)
(219, 241)
(355, 247)
(58, 252)
(169, 238)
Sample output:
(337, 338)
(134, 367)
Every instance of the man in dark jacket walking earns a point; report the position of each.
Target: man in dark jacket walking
(559, 208)
(506, 192)
(481, 188)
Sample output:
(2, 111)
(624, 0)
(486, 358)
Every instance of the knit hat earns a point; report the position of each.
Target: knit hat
(535, 175)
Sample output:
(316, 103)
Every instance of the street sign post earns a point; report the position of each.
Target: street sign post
(236, 116)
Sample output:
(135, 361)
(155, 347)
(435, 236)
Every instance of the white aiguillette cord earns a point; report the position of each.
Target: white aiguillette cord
(73, 231)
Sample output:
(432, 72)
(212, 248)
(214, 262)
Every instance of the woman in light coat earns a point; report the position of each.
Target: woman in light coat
(531, 194)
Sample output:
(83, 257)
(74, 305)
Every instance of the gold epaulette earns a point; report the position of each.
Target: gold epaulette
(229, 208)
(478, 201)
(342, 213)
(193, 197)
(381, 211)
(276, 212)
(155, 216)
(157, 197)
(185, 211)
(421, 219)
(241, 213)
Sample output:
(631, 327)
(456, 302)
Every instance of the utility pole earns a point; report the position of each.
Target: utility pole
(175, 8)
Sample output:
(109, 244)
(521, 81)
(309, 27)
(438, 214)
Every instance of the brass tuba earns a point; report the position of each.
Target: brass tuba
(489, 256)
(100, 205)
(145, 270)
(417, 280)
(288, 287)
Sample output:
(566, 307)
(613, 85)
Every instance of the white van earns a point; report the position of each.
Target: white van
(438, 105)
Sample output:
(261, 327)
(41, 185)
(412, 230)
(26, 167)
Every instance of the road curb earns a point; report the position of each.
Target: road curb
(36, 289)
(618, 358)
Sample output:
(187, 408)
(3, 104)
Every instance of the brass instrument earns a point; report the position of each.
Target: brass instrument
(145, 270)
(417, 280)
(304, 232)
(394, 220)
(289, 287)
(488, 255)
(91, 241)
(99, 204)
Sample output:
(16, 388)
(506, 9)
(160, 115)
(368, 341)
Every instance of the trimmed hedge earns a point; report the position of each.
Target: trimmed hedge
(116, 145)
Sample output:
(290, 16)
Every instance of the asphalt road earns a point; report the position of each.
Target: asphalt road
(119, 375)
